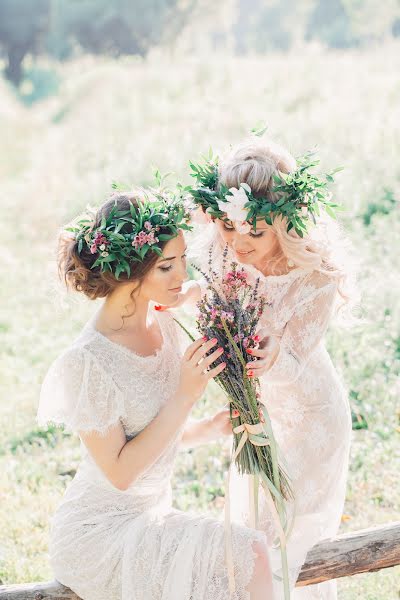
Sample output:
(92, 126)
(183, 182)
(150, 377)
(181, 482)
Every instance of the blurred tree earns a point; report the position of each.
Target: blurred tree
(330, 23)
(112, 27)
(260, 27)
(23, 25)
(372, 20)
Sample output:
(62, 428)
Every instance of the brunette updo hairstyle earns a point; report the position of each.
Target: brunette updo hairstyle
(74, 268)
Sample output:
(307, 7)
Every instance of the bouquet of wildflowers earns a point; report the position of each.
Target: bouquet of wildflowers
(230, 311)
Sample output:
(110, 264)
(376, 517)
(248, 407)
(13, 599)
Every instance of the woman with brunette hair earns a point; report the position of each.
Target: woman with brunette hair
(124, 387)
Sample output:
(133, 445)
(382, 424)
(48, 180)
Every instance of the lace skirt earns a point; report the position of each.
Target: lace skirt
(158, 554)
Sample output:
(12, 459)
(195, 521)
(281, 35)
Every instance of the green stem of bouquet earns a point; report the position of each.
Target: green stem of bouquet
(274, 455)
(184, 329)
(280, 503)
(275, 467)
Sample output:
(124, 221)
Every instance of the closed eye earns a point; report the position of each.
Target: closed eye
(169, 267)
(228, 227)
(251, 233)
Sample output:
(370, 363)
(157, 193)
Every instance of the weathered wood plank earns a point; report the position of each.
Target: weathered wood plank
(348, 554)
(351, 553)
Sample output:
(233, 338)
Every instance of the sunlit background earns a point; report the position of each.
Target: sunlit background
(93, 91)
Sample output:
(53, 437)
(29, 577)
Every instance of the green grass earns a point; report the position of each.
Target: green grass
(113, 121)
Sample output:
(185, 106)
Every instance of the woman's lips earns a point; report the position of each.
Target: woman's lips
(178, 289)
(243, 253)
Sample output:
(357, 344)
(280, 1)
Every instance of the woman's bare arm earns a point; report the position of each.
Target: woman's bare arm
(123, 462)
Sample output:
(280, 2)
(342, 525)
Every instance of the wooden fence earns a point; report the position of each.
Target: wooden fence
(345, 555)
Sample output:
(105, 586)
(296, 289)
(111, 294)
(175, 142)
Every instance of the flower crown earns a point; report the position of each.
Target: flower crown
(296, 196)
(126, 236)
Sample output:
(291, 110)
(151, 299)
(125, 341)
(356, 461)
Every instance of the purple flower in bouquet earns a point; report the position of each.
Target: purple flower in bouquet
(230, 310)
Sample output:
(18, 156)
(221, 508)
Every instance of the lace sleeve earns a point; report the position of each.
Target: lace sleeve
(79, 394)
(304, 330)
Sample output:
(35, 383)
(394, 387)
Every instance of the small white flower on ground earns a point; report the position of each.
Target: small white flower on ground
(105, 254)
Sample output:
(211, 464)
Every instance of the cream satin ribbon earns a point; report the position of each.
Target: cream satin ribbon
(246, 429)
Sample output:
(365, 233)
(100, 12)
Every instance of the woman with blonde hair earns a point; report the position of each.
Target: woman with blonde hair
(273, 216)
(127, 390)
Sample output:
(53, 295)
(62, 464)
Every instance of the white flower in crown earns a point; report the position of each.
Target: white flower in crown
(242, 227)
(234, 207)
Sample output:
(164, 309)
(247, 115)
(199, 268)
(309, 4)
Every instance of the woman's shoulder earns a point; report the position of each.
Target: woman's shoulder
(318, 280)
(79, 393)
(84, 353)
(314, 287)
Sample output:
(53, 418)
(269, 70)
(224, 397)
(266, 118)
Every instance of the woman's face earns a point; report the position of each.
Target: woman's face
(254, 248)
(164, 282)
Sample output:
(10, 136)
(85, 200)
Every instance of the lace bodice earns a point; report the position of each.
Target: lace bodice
(300, 306)
(306, 401)
(97, 383)
(107, 543)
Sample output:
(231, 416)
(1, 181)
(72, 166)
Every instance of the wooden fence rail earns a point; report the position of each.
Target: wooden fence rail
(348, 554)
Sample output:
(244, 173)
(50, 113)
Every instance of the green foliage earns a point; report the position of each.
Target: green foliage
(59, 27)
(42, 437)
(117, 122)
(116, 243)
(297, 196)
(385, 206)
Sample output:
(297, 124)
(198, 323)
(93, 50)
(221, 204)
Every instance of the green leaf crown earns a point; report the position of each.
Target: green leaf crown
(126, 236)
(297, 196)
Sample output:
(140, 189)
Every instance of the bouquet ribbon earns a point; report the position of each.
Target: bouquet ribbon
(246, 429)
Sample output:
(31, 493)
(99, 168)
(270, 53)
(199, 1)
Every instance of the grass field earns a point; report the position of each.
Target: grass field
(113, 120)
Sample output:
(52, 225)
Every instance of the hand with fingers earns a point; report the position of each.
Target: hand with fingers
(264, 355)
(221, 422)
(197, 369)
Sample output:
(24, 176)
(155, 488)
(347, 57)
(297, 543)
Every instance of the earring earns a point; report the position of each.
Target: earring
(290, 263)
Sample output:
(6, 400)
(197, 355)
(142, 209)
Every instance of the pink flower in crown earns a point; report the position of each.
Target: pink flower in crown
(143, 238)
(99, 240)
(151, 239)
(148, 225)
(139, 240)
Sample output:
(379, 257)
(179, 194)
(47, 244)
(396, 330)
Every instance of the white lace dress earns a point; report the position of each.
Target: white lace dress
(310, 415)
(107, 544)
